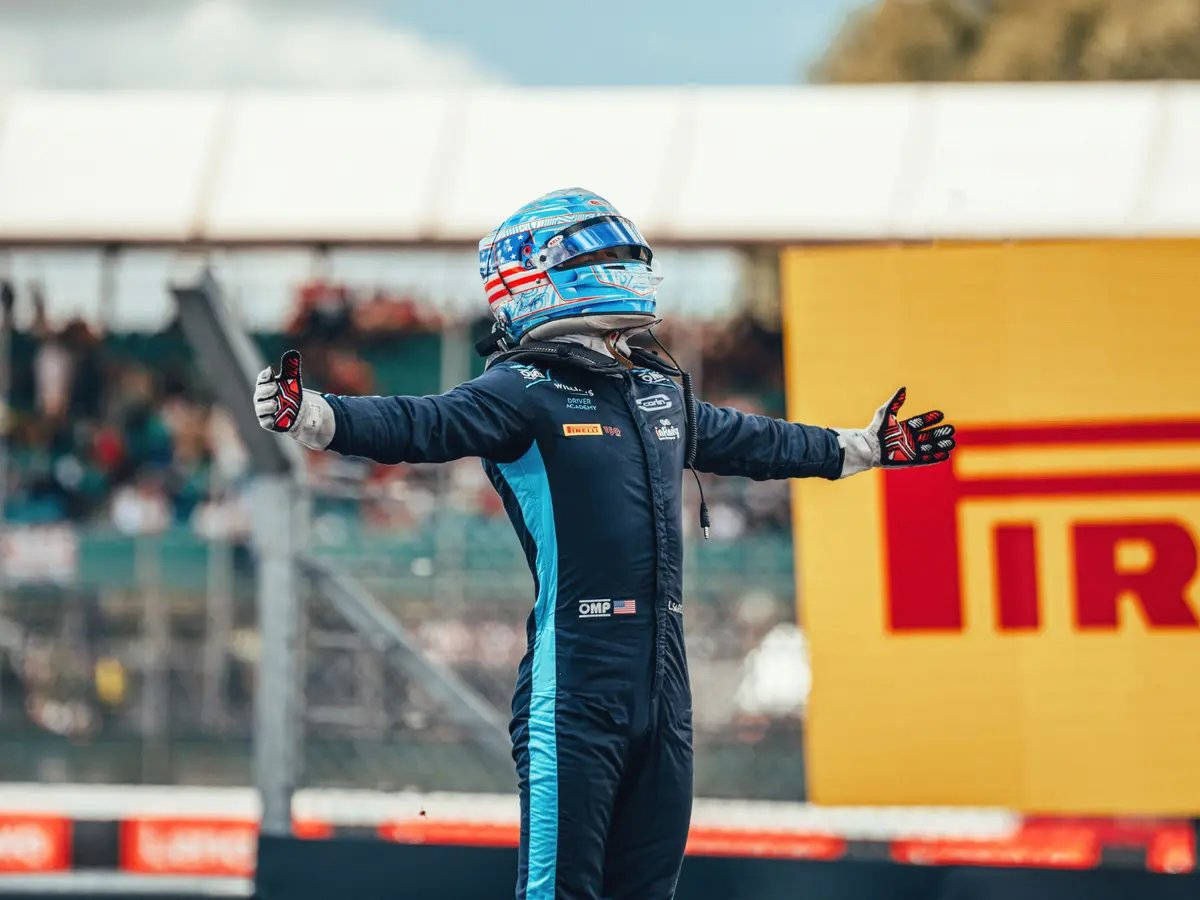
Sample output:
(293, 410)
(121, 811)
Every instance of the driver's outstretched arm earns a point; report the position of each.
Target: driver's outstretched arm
(483, 417)
(730, 442)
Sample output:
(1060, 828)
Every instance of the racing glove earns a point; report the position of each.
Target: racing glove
(284, 406)
(891, 442)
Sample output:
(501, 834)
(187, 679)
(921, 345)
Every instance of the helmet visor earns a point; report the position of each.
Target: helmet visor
(591, 236)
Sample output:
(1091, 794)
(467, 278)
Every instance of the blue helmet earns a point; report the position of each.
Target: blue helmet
(567, 262)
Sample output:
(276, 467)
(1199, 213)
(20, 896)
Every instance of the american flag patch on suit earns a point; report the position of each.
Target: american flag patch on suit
(624, 607)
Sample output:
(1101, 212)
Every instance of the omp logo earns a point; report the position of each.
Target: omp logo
(1077, 521)
(595, 609)
(575, 429)
(654, 403)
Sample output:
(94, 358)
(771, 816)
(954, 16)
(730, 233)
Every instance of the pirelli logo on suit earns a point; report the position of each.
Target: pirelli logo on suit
(579, 429)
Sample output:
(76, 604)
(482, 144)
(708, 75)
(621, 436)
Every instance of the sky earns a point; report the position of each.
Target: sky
(87, 44)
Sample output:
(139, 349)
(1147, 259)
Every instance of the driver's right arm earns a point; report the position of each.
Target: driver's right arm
(483, 417)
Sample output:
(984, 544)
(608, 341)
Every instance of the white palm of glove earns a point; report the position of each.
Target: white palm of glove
(282, 405)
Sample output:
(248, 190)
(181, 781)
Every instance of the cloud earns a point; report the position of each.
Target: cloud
(219, 44)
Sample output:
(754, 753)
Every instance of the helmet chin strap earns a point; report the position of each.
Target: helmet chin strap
(611, 342)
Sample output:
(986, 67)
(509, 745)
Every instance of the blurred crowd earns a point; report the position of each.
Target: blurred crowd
(120, 430)
(96, 434)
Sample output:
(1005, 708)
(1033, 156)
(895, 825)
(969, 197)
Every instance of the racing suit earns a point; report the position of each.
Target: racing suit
(588, 458)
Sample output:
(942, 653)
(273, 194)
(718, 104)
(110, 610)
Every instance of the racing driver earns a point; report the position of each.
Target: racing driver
(585, 439)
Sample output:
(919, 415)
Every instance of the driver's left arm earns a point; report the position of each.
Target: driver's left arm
(731, 442)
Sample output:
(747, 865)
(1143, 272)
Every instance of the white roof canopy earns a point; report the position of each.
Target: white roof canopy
(690, 165)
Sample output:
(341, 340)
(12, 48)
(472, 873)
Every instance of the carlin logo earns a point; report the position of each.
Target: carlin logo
(666, 431)
(654, 403)
(595, 609)
(577, 429)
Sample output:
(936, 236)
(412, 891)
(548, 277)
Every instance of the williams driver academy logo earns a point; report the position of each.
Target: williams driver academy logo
(533, 376)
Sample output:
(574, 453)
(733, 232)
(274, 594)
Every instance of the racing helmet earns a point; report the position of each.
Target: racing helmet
(567, 262)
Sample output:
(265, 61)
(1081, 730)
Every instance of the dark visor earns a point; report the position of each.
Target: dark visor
(592, 236)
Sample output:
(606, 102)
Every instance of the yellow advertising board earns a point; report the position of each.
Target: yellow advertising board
(1020, 627)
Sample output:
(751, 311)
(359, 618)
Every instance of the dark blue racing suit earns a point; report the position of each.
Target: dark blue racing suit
(588, 459)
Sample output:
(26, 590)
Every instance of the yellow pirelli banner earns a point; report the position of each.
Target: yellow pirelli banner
(1020, 627)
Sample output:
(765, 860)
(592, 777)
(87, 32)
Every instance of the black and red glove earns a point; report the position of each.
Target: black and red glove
(277, 397)
(283, 405)
(891, 442)
(911, 442)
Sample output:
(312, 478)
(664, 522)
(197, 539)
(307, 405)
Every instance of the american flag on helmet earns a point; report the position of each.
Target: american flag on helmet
(506, 269)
